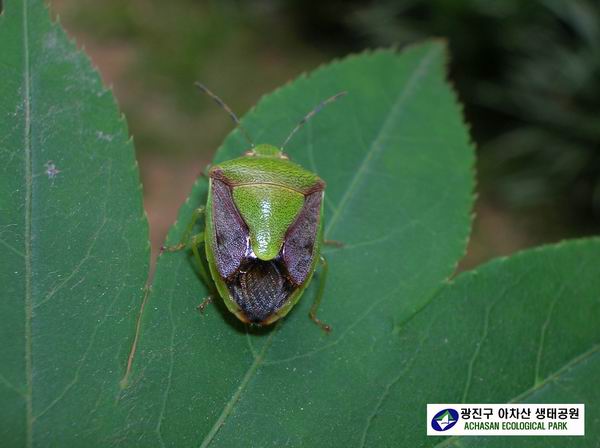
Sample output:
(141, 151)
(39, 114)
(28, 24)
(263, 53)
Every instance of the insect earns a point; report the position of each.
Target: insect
(263, 230)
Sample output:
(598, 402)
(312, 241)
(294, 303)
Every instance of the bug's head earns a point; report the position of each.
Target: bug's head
(267, 151)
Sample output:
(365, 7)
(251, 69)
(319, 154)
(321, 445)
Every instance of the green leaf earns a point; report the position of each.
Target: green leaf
(73, 235)
(397, 161)
(519, 329)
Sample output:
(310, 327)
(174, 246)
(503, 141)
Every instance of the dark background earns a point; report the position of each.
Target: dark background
(527, 72)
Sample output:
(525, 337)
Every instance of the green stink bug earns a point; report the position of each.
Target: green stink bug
(263, 230)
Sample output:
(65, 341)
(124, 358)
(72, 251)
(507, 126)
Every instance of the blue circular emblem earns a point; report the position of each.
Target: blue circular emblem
(444, 420)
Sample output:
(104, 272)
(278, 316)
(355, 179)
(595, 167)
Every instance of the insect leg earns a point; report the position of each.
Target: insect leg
(207, 301)
(196, 241)
(187, 234)
(321, 290)
(333, 243)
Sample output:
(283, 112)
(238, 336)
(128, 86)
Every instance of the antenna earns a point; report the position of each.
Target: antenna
(309, 115)
(224, 106)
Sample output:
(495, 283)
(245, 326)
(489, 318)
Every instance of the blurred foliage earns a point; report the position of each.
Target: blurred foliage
(241, 50)
(529, 73)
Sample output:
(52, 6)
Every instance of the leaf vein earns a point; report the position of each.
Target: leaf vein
(124, 381)
(347, 330)
(77, 268)
(81, 362)
(10, 386)
(543, 331)
(477, 351)
(28, 232)
(170, 375)
(258, 361)
(552, 377)
(376, 145)
(388, 388)
(15, 250)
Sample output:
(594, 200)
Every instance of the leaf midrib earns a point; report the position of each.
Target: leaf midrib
(408, 88)
(375, 146)
(28, 233)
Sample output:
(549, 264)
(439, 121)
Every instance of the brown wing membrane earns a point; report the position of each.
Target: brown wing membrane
(298, 249)
(230, 232)
(260, 288)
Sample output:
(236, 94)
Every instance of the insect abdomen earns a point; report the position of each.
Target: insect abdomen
(260, 288)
